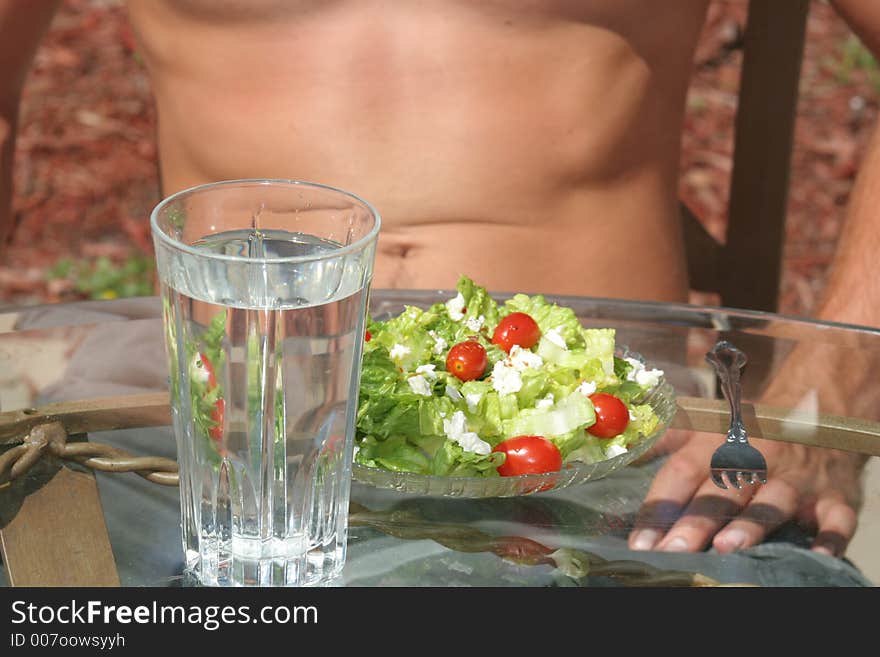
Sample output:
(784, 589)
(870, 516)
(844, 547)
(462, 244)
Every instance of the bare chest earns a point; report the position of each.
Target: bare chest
(429, 108)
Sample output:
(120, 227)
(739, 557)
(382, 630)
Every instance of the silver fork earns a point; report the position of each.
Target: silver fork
(736, 458)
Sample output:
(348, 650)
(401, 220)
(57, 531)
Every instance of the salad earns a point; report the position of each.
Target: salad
(474, 388)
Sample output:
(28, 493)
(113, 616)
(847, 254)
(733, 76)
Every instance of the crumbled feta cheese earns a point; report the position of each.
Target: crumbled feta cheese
(644, 377)
(520, 359)
(452, 393)
(439, 343)
(399, 351)
(586, 388)
(615, 450)
(649, 378)
(455, 308)
(505, 379)
(427, 371)
(419, 385)
(472, 399)
(632, 417)
(553, 336)
(505, 374)
(197, 370)
(475, 323)
(456, 430)
(636, 365)
(547, 402)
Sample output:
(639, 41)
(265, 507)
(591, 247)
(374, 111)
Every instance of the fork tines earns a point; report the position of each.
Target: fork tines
(736, 478)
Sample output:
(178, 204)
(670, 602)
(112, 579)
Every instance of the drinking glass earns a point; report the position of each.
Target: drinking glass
(265, 287)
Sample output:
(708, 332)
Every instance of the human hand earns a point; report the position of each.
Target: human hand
(684, 511)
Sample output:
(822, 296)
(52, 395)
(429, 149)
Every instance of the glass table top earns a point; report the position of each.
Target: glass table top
(809, 386)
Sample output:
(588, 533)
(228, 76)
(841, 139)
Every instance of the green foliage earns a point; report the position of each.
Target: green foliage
(854, 59)
(101, 278)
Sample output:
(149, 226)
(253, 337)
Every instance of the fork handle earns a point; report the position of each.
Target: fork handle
(728, 361)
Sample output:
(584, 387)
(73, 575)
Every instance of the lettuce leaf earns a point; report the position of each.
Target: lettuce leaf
(451, 460)
(394, 453)
(572, 413)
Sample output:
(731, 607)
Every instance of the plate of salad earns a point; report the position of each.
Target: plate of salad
(470, 397)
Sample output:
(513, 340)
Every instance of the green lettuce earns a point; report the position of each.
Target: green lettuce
(394, 453)
(451, 460)
(403, 424)
(572, 413)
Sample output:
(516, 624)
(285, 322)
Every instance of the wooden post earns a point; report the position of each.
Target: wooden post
(752, 263)
(52, 531)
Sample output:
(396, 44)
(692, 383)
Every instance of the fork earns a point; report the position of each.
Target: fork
(736, 458)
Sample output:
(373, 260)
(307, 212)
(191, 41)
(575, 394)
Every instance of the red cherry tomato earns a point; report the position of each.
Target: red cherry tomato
(216, 431)
(528, 455)
(467, 360)
(516, 328)
(612, 415)
(368, 336)
(217, 413)
(209, 368)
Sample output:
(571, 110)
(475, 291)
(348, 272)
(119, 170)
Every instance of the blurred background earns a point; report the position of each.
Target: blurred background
(86, 178)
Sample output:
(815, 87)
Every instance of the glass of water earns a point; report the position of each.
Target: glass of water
(265, 288)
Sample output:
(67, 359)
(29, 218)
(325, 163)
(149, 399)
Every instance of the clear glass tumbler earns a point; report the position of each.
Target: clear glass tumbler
(265, 286)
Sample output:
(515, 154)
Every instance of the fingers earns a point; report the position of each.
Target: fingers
(837, 525)
(709, 511)
(777, 502)
(684, 511)
(672, 489)
(736, 519)
(772, 504)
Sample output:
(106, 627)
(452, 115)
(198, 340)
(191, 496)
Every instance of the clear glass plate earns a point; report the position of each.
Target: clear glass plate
(661, 398)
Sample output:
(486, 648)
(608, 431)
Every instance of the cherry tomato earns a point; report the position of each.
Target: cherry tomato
(467, 360)
(516, 328)
(368, 336)
(216, 431)
(528, 455)
(612, 415)
(219, 410)
(209, 368)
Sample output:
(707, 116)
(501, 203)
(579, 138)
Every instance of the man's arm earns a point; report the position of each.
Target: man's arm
(852, 293)
(22, 25)
(819, 488)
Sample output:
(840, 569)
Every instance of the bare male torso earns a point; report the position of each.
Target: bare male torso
(533, 144)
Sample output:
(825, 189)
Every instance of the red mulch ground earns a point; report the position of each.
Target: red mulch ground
(86, 156)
